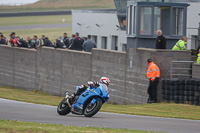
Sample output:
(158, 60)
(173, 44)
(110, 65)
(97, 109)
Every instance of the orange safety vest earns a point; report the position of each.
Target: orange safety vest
(153, 71)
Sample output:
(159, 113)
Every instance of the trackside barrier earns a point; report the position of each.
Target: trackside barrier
(180, 74)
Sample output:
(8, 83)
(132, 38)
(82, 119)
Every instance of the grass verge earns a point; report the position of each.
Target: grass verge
(7, 126)
(60, 5)
(34, 20)
(169, 110)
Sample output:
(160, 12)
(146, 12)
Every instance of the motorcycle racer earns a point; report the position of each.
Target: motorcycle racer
(82, 88)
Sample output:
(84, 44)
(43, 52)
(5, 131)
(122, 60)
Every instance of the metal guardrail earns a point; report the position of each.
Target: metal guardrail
(180, 62)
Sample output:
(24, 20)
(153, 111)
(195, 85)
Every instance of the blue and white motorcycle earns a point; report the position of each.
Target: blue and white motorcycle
(88, 103)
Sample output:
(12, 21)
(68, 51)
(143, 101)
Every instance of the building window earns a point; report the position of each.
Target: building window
(94, 38)
(133, 19)
(122, 22)
(194, 42)
(177, 21)
(146, 21)
(156, 19)
(104, 43)
(162, 20)
(124, 47)
(114, 43)
(129, 20)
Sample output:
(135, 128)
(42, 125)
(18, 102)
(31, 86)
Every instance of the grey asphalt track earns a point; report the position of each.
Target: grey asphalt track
(39, 26)
(45, 13)
(14, 110)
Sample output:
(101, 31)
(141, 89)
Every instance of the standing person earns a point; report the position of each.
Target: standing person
(31, 42)
(59, 43)
(160, 41)
(89, 44)
(3, 40)
(77, 43)
(181, 44)
(13, 34)
(13, 41)
(197, 51)
(71, 40)
(153, 74)
(37, 42)
(46, 41)
(66, 40)
(198, 57)
(21, 42)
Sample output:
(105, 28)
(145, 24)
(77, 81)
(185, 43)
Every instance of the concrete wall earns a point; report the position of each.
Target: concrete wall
(18, 67)
(55, 70)
(111, 64)
(196, 71)
(59, 70)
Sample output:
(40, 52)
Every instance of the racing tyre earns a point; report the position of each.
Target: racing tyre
(182, 87)
(63, 108)
(91, 110)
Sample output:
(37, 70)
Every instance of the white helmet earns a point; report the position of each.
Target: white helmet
(105, 80)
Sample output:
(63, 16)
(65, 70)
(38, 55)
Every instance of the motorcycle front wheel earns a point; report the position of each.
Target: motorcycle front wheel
(92, 109)
(63, 108)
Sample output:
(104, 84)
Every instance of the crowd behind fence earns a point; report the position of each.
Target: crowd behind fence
(74, 42)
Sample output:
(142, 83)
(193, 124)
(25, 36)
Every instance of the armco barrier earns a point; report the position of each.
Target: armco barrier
(56, 70)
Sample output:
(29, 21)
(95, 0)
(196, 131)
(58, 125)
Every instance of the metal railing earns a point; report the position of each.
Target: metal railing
(189, 75)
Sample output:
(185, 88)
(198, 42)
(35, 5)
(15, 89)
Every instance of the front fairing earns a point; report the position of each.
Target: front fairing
(100, 91)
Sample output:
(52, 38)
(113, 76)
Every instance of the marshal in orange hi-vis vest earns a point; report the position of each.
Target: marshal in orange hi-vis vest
(153, 71)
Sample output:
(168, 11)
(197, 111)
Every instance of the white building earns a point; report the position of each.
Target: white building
(102, 25)
(193, 20)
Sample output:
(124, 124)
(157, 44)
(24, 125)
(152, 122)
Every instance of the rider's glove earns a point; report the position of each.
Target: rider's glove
(96, 84)
(91, 83)
(83, 86)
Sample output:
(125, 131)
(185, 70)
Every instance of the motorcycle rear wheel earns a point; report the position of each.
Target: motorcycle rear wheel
(63, 108)
(92, 109)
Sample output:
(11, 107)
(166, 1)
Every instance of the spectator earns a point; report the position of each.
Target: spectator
(77, 43)
(13, 41)
(59, 43)
(89, 44)
(198, 51)
(37, 42)
(153, 74)
(46, 41)
(21, 42)
(13, 34)
(181, 44)
(66, 40)
(3, 40)
(71, 40)
(31, 42)
(160, 41)
(198, 57)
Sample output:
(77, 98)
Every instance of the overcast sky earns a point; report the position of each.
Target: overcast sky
(8, 2)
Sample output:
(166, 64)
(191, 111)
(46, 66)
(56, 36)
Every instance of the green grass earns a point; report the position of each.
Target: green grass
(60, 5)
(7, 126)
(51, 33)
(29, 96)
(169, 110)
(33, 20)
